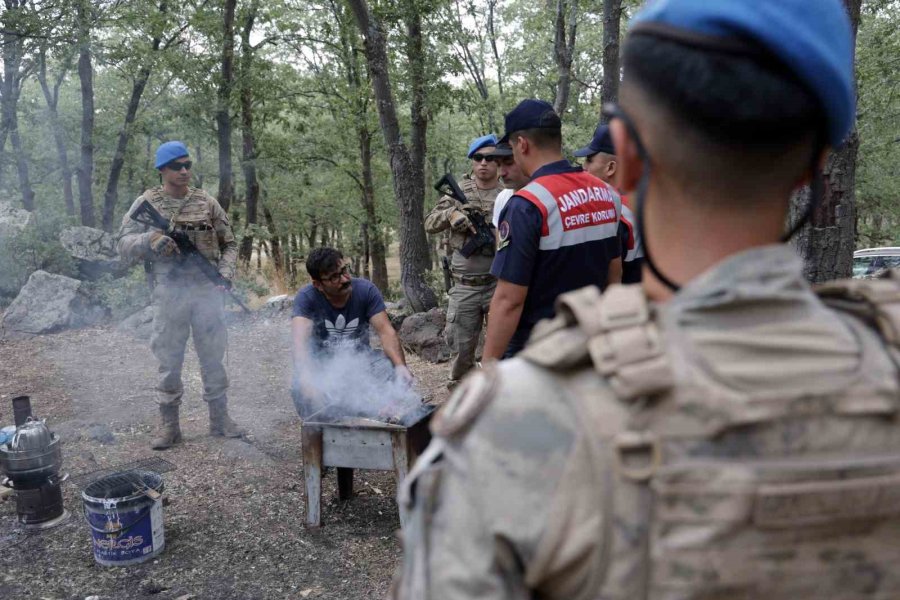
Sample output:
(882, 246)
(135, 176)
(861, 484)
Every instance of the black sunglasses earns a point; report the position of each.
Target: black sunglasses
(480, 157)
(177, 166)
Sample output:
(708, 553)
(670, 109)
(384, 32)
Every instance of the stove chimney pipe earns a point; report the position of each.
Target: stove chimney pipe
(21, 409)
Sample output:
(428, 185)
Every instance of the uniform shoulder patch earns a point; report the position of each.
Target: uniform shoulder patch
(504, 235)
(466, 403)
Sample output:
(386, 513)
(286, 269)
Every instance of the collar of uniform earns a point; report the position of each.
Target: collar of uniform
(554, 168)
(759, 272)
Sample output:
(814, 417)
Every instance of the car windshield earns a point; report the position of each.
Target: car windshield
(862, 264)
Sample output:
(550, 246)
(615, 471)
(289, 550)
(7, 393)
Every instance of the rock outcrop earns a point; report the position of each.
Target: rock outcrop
(49, 303)
(94, 251)
(423, 333)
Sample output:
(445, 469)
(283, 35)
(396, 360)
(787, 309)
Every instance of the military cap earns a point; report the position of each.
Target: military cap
(601, 142)
(500, 150)
(168, 152)
(530, 114)
(811, 39)
(479, 143)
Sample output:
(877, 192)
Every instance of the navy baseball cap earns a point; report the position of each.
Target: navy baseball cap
(168, 152)
(530, 114)
(812, 39)
(601, 142)
(501, 150)
(479, 143)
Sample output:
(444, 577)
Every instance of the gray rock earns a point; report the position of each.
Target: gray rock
(12, 220)
(423, 333)
(139, 324)
(101, 433)
(49, 303)
(94, 251)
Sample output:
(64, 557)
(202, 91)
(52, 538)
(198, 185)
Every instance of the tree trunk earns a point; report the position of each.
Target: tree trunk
(59, 137)
(827, 243)
(111, 196)
(248, 154)
(86, 76)
(612, 23)
(12, 52)
(374, 243)
(223, 112)
(564, 51)
(492, 35)
(406, 165)
(275, 244)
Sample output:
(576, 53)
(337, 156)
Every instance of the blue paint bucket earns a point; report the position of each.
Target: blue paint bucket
(124, 512)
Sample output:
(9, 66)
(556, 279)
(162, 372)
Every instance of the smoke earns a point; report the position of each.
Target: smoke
(355, 381)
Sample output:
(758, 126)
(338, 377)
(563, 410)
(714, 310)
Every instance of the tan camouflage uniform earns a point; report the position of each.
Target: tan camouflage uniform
(470, 296)
(184, 299)
(738, 442)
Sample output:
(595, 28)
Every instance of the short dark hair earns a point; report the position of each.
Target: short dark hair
(322, 260)
(735, 117)
(547, 138)
(732, 99)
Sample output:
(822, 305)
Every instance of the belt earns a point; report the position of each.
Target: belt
(475, 279)
(194, 227)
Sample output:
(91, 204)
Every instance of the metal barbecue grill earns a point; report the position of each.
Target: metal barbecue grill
(332, 438)
(128, 472)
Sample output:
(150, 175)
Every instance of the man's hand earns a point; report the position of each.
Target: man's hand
(162, 244)
(459, 221)
(403, 375)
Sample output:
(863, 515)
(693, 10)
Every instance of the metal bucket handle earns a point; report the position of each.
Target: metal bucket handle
(121, 530)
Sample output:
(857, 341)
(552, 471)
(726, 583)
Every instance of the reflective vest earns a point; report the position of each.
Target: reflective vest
(575, 208)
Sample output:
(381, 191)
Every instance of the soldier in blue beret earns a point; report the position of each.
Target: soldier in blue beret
(185, 301)
(473, 284)
(722, 431)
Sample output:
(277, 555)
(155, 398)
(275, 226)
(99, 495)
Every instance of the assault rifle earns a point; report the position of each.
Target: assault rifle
(484, 233)
(146, 214)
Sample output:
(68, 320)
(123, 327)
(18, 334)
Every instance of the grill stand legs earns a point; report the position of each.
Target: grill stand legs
(405, 446)
(312, 469)
(345, 483)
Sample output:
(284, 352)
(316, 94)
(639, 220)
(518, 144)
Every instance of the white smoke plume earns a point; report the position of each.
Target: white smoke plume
(353, 381)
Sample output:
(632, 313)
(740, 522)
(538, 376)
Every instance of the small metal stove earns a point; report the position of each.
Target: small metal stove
(31, 462)
(333, 439)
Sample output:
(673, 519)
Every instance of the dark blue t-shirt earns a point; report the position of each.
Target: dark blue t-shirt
(332, 325)
(547, 273)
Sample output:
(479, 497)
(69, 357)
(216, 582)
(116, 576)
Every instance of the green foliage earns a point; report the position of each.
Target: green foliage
(311, 97)
(36, 248)
(124, 295)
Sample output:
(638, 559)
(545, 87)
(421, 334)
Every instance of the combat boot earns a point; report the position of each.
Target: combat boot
(169, 432)
(220, 423)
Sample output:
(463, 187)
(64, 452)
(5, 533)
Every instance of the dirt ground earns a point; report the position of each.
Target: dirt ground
(234, 528)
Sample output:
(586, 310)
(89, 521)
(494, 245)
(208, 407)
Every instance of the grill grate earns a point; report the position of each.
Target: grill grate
(127, 483)
(129, 469)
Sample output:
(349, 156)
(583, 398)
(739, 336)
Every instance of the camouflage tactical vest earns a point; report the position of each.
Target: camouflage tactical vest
(740, 491)
(190, 214)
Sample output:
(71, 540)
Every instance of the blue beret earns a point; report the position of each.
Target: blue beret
(168, 152)
(601, 142)
(530, 114)
(479, 143)
(811, 38)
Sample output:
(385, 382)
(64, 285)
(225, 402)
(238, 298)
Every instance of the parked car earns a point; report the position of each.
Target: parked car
(869, 262)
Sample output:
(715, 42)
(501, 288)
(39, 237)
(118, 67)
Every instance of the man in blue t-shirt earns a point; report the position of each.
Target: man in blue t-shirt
(333, 313)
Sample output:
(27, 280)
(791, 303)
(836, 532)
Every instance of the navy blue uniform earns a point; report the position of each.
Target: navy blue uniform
(557, 234)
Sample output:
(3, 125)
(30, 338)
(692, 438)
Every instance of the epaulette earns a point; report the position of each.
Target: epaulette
(466, 403)
(614, 331)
